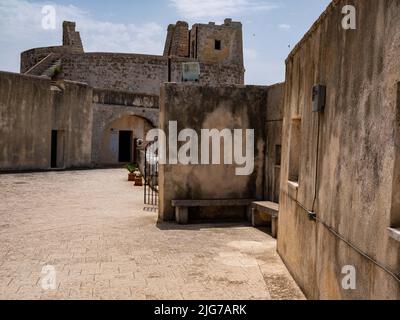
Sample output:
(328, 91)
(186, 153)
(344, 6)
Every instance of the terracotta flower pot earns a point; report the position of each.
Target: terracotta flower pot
(138, 181)
(131, 176)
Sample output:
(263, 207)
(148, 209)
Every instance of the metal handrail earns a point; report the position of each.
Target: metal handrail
(39, 63)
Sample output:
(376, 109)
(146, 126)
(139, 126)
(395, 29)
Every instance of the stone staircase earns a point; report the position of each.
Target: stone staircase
(49, 72)
(46, 67)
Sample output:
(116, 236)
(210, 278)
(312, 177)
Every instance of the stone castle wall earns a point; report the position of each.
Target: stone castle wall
(203, 37)
(128, 72)
(125, 98)
(72, 43)
(30, 109)
(177, 42)
(273, 130)
(71, 37)
(347, 157)
(127, 86)
(141, 73)
(209, 107)
(32, 57)
(210, 73)
(119, 110)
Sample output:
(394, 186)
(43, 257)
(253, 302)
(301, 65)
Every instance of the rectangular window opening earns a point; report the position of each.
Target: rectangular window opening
(218, 45)
(295, 151)
(278, 154)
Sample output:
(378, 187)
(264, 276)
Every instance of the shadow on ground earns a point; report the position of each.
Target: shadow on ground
(199, 225)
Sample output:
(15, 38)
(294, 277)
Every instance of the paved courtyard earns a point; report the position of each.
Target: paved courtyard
(103, 243)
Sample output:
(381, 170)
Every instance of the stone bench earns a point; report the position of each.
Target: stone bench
(182, 206)
(264, 213)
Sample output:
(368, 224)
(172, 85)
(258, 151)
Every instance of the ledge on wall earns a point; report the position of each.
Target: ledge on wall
(394, 233)
(293, 189)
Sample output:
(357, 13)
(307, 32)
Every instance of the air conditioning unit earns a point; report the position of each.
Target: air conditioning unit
(190, 71)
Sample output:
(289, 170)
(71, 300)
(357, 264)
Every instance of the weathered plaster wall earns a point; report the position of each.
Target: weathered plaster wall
(395, 214)
(357, 152)
(274, 119)
(207, 107)
(30, 110)
(73, 114)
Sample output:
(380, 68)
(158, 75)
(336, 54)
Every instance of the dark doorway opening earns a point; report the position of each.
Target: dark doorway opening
(125, 146)
(54, 148)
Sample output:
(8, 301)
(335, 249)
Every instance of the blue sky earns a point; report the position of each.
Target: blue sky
(269, 26)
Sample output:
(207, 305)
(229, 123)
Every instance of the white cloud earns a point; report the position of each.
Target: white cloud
(219, 8)
(21, 29)
(284, 26)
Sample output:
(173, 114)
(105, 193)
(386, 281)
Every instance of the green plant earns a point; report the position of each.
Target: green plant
(57, 73)
(131, 167)
(57, 70)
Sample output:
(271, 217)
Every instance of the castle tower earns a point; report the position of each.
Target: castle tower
(71, 37)
(213, 43)
(208, 43)
(177, 43)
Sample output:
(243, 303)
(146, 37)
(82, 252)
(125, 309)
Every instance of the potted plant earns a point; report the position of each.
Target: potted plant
(131, 169)
(138, 178)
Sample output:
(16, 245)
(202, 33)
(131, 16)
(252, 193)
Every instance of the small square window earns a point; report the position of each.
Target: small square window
(217, 44)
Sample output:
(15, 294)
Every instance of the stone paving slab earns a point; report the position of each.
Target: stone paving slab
(103, 243)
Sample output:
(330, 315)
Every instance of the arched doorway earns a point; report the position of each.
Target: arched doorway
(118, 142)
